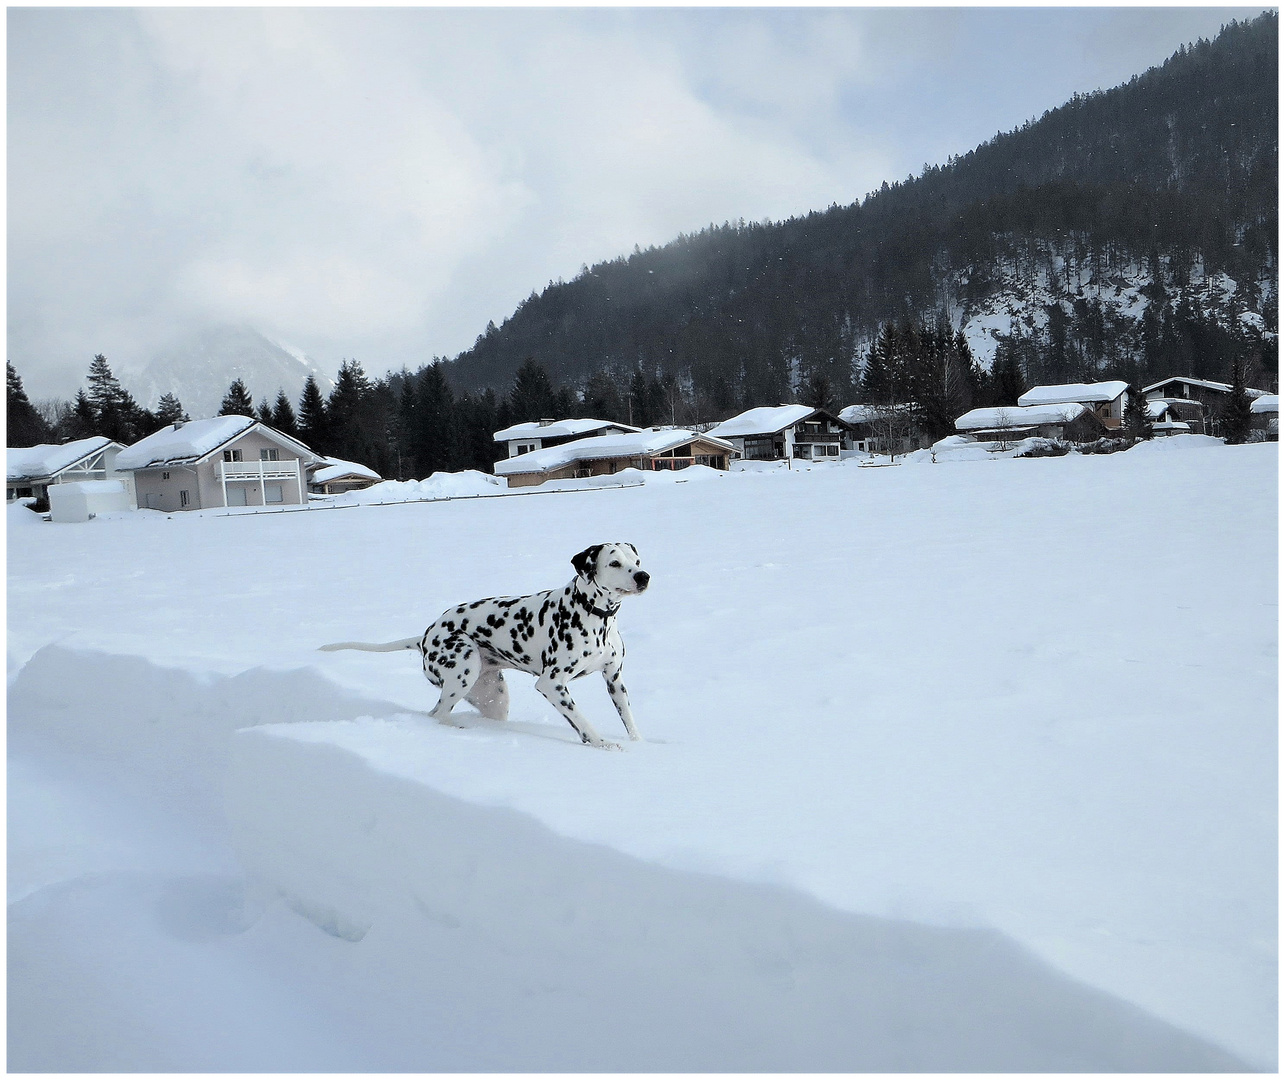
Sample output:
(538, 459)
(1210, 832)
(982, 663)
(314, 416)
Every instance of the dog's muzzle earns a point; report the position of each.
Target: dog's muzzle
(641, 578)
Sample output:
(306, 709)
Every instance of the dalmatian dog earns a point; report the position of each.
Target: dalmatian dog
(557, 636)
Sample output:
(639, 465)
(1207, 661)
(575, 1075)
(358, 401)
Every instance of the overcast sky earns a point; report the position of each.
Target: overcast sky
(378, 183)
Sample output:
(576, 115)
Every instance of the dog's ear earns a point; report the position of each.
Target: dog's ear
(587, 561)
(633, 549)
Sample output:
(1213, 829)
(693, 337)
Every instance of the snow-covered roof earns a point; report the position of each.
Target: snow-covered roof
(557, 430)
(184, 444)
(334, 468)
(1207, 384)
(765, 420)
(598, 447)
(863, 414)
(1083, 392)
(1267, 403)
(1019, 416)
(48, 459)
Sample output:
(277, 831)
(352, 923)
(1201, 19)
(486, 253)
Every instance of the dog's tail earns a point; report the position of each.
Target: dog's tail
(369, 646)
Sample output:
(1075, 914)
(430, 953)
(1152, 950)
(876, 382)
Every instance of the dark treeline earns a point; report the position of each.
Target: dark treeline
(405, 425)
(104, 407)
(1173, 174)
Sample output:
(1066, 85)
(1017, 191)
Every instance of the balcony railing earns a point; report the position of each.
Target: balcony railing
(259, 470)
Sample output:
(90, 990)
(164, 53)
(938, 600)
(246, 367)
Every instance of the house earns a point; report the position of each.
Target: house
(601, 455)
(1208, 393)
(541, 434)
(333, 476)
(873, 429)
(1169, 416)
(30, 470)
(1069, 421)
(1211, 396)
(776, 432)
(220, 461)
(1106, 399)
(1265, 410)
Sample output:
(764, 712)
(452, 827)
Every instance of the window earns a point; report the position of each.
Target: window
(182, 498)
(269, 453)
(232, 455)
(165, 476)
(802, 450)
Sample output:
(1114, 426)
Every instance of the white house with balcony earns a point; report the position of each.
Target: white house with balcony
(220, 461)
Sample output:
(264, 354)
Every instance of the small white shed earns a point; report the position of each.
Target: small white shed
(80, 500)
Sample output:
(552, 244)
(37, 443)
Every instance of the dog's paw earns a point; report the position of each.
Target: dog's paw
(602, 744)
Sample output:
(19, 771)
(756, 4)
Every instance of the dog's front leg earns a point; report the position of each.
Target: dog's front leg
(620, 698)
(557, 694)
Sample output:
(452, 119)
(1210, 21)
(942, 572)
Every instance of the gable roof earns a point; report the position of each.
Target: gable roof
(1206, 384)
(630, 444)
(49, 459)
(1019, 416)
(1267, 403)
(196, 440)
(533, 429)
(765, 420)
(1082, 392)
(333, 468)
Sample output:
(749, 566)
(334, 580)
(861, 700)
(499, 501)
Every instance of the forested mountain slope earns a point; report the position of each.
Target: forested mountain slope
(1129, 232)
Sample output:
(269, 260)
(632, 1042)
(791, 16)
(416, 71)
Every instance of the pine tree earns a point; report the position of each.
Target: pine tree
(283, 417)
(169, 410)
(601, 399)
(1136, 421)
(532, 397)
(82, 423)
(818, 393)
(312, 417)
(116, 414)
(1007, 381)
(432, 438)
(26, 427)
(1237, 416)
(638, 400)
(237, 401)
(347, 419)
(877, 379)
(264, 412)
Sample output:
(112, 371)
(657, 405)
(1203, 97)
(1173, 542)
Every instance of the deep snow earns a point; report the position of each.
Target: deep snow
(946, 766)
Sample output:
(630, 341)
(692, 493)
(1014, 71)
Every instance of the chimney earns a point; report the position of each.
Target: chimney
(546, 423)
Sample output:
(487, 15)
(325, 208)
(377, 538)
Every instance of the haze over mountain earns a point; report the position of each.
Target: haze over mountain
(1132, 231)
(199, 368)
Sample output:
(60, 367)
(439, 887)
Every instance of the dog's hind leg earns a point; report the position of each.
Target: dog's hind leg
(490, 694)
(455, 667)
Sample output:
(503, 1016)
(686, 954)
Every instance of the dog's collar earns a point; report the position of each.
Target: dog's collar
(607, 614)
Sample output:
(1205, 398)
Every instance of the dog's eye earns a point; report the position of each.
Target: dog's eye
(616, 563)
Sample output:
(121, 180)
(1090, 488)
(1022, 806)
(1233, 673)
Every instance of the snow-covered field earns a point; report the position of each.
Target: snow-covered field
(967, 765)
